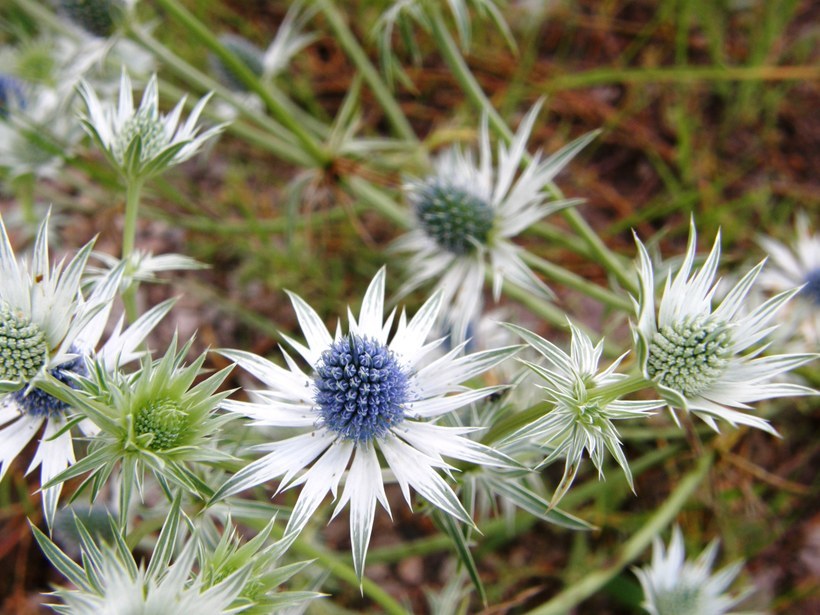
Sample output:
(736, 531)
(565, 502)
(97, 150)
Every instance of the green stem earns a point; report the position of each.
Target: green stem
(625, 386)
(633, 548)
(24, 191)
(496, 529)
(605, 257)
(133, 190)
(512, 422)
(379, 200)
(679, 74)
(472, 89)
(576, 282)
(275, 105)
(354, 50)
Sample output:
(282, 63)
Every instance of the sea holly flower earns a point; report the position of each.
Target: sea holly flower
(152, 419)
(797, 265)
(36, 133)
(585, 404)
(705, 359)
(97, 17)
(47, 329)
(141, 142)
(466, 214)
(110, 580)
(268, 63)
(366, 392)
(673, 585)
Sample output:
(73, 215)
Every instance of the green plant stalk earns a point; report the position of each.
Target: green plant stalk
(633, 548)
(576, 282)
(24, 191)
(631, 384)
(472, 89)
(378, 199)
(380, 90)
(680, 74)
(133, 190)
(276, 106)
(495, 529)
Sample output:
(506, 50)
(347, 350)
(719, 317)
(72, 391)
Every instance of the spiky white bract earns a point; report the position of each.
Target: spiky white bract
(384, 389)
(585, 404)
(466, 214)
(673, 585)
(142, 266)
(111, 581)
(141, 142)
(154, 418)
(36, 132)
(796, 265)
(47, 330)
(707, 360)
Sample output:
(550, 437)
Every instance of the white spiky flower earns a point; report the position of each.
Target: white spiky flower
(142, 266)
(797, 265)
(585, 404)
(704, 359)
(110, 580)
(142, 142)
(673, 585)
(365, 391)
(48, 328)
(466, 215)
(36, 133)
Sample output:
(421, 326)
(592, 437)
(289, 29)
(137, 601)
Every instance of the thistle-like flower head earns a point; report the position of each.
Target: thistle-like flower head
(466, 215)
(154, 418)
(585, 404)
(673, 585)
(141, 142)
(48, 332)
(365, 391)
(797, 265)
(111, 581)
(706, 359)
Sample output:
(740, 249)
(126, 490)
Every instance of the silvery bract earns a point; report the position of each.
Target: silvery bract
(673, 585)
(142, 142)
(704, 359)
(797, 265)
(111, 581)
(583, 412)
(48, 330)
(142, 266)
(365, 391)
(466, 214)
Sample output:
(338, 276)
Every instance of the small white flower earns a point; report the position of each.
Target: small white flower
(674, 586)
(36, 133)
(796, 265)
(142, 142)
(365, 392)
(707, 360)
(584, 406)
(466, 215)
(47, 327)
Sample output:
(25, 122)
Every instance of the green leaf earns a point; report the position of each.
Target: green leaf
(453, 531)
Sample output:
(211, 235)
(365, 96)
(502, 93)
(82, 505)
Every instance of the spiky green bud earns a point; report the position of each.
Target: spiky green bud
(164, 420)
(147, 125)
(97, 17)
